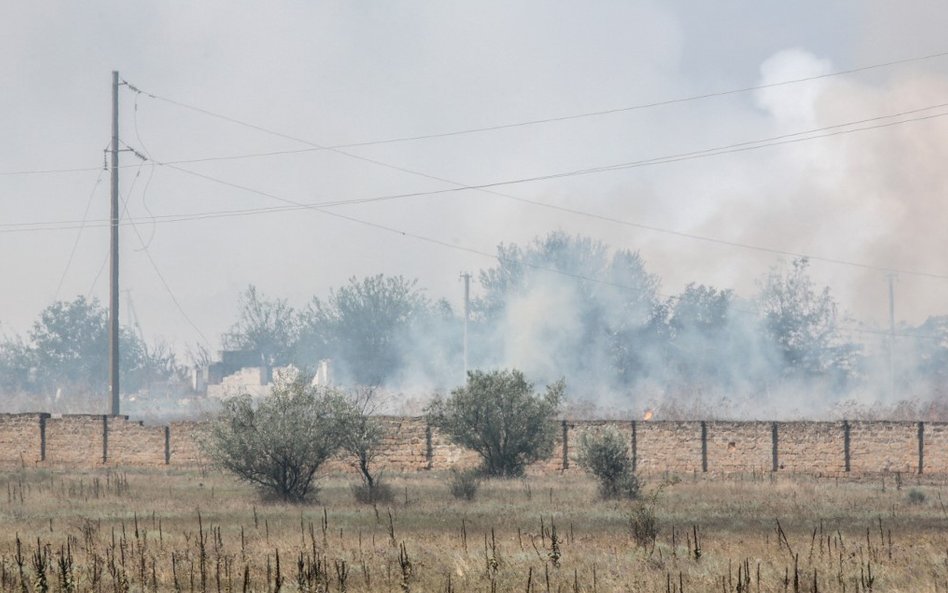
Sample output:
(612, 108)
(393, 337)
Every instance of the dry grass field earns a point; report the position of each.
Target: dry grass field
(117, 531)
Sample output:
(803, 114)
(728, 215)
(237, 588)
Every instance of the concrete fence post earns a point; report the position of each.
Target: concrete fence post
(565, 445)
(429, 448)
(105, 438)
(635, 448)
(42, 428)
(846, 444)
(167, 445)
(704, 446)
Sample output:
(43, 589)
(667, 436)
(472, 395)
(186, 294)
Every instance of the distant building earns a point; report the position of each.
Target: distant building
(242, 371)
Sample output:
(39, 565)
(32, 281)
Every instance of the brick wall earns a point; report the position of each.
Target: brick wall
(886, 446)
(75, 440)
(130, 443)
(820, 448)
(935, 458)
(20, 439)
(811, 447)
(740, 447)
(668, 446)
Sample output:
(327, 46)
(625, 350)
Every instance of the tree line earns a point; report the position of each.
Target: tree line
(559, 306)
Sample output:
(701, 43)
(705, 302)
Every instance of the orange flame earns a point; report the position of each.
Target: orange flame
(648, 415)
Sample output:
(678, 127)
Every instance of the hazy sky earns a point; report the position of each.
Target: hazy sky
(331, 73)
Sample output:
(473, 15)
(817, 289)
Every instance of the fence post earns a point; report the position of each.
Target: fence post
(565, 445)
(846, 444)
(429, 448)
(635, 448)
(42, 426)
(167, 445)
(704, 446)
(774, 439)
(105, 438)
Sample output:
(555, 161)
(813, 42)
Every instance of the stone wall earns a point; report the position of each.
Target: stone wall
(76, 440)
(668, 446)
(811, 447)
(131, 443)
(935, 456)
(817, 448)
(21, 438)
(740, 447)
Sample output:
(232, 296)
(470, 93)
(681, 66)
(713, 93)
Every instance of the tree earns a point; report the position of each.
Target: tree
(365, 326)
(704, 341)
(268, 327)
(16, 364)
(497, 415)
(802, 322)
(362, 435)
(279, 443)
(563, 294)
(70, 349)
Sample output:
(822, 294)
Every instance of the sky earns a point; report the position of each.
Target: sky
(226, 79)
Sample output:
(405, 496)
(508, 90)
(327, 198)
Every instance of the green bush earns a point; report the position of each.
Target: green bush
(497, 415)
(606, 456)
(377, 492)
(279, 442)
(916, 497)
(464, 484)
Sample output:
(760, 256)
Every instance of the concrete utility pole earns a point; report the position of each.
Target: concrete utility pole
(114, 256)
(467, 314)
(891, 278)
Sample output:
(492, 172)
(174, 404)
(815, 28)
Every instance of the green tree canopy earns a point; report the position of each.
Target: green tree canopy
(365, 326)
(498, 415)
(279, 442)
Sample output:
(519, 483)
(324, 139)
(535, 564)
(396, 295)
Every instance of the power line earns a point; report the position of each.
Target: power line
(587, 114)
(48, 171)
(800, 136)
(75, 245)
(151, 261)
(812, 134)
(164, 283)
(317, 148)
(715, 151)
(397, 231)
(467, 131)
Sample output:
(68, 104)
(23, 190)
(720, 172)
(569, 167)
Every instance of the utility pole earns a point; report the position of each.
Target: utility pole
(114, 256)
(467, 314)
(891, 278)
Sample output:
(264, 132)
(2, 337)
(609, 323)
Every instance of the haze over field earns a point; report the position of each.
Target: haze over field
(340, 74)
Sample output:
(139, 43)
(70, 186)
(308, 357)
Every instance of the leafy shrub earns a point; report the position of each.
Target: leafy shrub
(916, 496)
(464, 484)
(497, 415)
(279, 443)
(606, 456)
(372, 494)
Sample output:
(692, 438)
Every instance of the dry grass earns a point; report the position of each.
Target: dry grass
(191, 532)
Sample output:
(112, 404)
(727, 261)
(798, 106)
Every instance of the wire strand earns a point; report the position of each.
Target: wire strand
(586, 114)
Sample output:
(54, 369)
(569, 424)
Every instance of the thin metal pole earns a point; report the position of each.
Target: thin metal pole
(114, 256)
(467, 315)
